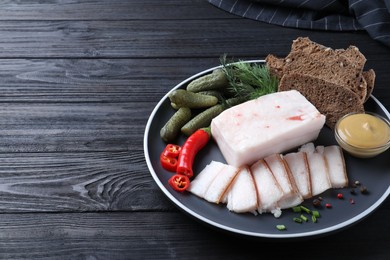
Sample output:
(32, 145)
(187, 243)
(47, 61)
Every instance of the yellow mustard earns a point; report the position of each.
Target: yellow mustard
(364, 130)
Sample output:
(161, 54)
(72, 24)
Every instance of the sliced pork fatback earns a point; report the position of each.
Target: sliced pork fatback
(221, 184)
(336, 165)
(200, 184)
(319, 175)
(299, 168)
(272, 123)
(268, 189)
(242, 194)
(283, 176)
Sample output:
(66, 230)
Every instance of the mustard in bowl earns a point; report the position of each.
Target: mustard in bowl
(363, 135)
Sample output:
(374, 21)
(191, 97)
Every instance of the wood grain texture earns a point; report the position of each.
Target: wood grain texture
(78, 81)
(163, 235)
(58, 81)
(94, 80)
(163, 39)
(77, 182)
(108, 10)
(73, 127)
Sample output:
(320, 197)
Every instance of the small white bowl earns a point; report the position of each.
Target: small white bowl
(362, 152)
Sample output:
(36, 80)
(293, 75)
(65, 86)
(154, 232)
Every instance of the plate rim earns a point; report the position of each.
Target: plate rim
(183, 207)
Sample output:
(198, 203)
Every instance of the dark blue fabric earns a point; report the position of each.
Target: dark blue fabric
(333, 15)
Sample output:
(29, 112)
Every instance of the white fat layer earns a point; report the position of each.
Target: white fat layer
(299, 168)
(290, 197)
(203, 180)
(268, 190)
(242, 195)
(318, 173)
(220, 184)
(336, 166)
(273, 123)
(273, 183)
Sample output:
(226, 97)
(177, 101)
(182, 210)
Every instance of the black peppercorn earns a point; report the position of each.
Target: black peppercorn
(316, 203)
(363, 190)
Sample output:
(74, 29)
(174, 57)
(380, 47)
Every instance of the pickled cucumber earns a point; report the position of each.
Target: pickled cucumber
(184, 98)
(172, 127)
(203, 119)
(215, 80)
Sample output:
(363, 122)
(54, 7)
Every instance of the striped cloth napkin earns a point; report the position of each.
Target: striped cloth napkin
(333, 15)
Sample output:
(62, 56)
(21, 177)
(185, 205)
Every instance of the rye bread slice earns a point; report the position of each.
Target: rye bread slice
(357, 59)
(369, 76)
(338, 67)
(332, 100)
(354, 55)
(275, 65)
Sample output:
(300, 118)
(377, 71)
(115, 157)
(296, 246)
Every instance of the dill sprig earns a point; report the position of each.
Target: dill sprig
(249, 80)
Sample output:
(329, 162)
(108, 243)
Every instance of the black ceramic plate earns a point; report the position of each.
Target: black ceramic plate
(374, 173)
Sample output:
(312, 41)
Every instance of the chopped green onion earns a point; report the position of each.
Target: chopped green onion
(297, 209)
(281, 227)
(298, 220)
(306, 209)
(316, 213)
(304, 218)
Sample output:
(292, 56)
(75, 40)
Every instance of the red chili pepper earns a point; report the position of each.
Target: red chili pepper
(190, 148)
(179, 182)
(168, 163)
(172, 150)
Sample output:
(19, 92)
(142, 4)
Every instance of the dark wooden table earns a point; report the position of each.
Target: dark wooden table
(78, 81)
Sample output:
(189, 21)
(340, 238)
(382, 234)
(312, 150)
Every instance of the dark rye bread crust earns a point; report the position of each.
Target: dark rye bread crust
(369, 76)
(330, 99)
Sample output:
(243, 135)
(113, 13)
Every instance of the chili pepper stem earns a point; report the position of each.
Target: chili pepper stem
(207, 130)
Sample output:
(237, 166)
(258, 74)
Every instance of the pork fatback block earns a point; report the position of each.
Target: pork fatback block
(272, 123)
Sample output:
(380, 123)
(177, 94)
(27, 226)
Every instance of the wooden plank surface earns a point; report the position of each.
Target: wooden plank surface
(54, 10)
(151, 39)
(78, 81)
(162, 235)
(78, 182)
(119, 80)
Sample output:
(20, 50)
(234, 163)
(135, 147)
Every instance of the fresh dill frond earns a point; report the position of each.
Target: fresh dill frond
(236, 85)
(249, 80)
